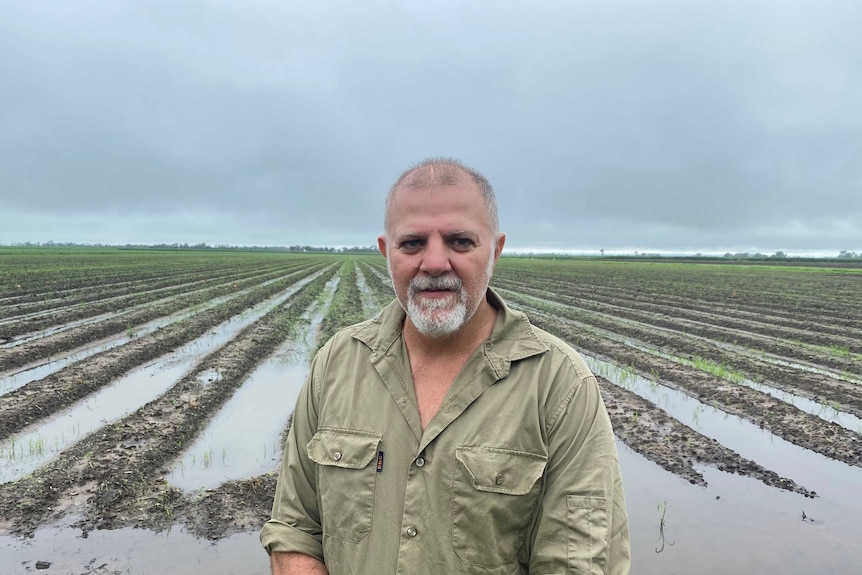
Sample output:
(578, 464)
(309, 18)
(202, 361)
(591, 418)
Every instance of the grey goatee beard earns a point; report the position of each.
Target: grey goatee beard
(437, 317)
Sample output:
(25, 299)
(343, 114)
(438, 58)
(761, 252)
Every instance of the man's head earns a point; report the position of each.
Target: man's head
(435, 172)
(441, 243)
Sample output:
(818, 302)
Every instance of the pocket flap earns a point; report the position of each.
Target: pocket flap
(501, 470)
(344, 448)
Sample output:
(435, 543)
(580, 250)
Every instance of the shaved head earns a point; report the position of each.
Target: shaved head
(435, 172)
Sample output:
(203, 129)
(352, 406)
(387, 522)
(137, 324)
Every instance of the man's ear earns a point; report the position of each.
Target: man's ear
(381, 245)
(498, 248)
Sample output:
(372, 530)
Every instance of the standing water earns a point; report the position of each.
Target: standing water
(243, 439)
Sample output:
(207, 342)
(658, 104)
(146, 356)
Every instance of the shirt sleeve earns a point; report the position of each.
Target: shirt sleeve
(582, 526)
(295, 523)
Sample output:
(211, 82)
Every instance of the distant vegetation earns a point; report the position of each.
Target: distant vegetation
(204, 246)
(843, 254)
(779, 255)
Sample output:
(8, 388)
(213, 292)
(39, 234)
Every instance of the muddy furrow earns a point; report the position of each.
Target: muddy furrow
(737, 308)
(89, 279)
(346, 306)
(42, 348)
(846, 339)
(844, 395)
(675, 447)
(41, 301)
(44, 397)
(127, 303)
(39, 273)
(780, 418)
(769, 344)
(383, 292)
(57, 311)
(730, 294)
(234, 506)
(715, 313)
(119, 469)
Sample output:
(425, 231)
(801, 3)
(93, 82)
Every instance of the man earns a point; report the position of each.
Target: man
(447, 435)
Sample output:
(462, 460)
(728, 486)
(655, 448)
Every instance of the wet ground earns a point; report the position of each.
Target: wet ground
(752, 529)
(756, 470)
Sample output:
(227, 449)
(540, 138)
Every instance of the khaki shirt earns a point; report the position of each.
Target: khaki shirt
(516, 473)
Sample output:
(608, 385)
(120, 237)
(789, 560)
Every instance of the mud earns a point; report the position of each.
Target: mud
(44, 397)
(115, 478)
(783, 419)
(676, 447)
(844, 395)
(70, 339)
(119, 470)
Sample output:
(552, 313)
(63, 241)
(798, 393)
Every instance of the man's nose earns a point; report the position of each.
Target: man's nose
(435, 258)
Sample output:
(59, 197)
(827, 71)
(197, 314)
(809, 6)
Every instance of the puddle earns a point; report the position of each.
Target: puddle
(369, 304)
(823, 411)
(41, 369)
(230, 447)
(132, 551)
(35, 445)
(750, 528)
(209, 376)
(55, 329)
(383, 275)
(26, 338)
(14, 379)
(811, 369)
(805, 467)
(748, 352)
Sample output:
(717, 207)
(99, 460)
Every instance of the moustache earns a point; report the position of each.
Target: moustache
(451, 283)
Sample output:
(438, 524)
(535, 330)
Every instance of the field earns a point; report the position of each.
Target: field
(144, 396)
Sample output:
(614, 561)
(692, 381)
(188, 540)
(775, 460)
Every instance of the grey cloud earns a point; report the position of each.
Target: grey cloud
(661, 125)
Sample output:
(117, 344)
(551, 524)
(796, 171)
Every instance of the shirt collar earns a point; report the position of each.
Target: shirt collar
(512, 338)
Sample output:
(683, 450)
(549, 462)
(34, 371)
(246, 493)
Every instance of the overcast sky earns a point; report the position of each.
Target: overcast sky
(668, 125)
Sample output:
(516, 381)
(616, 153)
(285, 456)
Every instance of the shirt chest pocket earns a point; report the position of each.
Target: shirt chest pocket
(495, 493)
(345, 480)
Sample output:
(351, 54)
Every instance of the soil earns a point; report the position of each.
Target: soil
(115, 477)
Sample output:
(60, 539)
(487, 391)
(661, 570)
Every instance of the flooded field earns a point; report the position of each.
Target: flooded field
(144, 396)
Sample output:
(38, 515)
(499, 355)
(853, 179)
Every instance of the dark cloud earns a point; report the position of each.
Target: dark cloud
(666, 125)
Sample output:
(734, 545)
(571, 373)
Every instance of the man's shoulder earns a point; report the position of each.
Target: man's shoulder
(560, 352)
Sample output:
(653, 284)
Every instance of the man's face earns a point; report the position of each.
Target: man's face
(440, 253)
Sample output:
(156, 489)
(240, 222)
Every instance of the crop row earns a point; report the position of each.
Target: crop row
(114, 473)
(44, 273)
(43, 397)
(202, 288)
(652, 319)
(778, 290)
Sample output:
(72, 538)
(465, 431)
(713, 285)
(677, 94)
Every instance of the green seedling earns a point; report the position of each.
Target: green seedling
(662, 509)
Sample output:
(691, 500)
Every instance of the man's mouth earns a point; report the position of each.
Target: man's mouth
(436, 292)
(435, 287)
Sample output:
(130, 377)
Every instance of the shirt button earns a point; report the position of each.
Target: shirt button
(420, 462)
(336, 456)
(498, 480)
(411, 531)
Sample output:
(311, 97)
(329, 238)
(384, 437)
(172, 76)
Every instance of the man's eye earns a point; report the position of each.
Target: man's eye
(462, 243)
(411, 244)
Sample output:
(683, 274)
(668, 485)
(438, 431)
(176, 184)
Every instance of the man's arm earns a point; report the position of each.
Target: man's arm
(295, 527)
(290, 563)
(583, 526)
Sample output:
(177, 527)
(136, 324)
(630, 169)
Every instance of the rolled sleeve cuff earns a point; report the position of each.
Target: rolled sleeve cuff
(277, 536)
